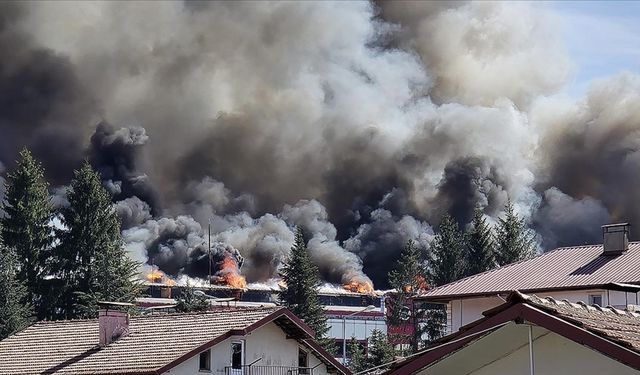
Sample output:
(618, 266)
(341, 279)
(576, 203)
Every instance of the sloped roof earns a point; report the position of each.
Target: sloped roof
(153, 344)
(615, 333)
(577, 267)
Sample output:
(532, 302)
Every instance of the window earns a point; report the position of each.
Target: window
(303, 361)
(205, 361)
(237, 355)
(595, 299)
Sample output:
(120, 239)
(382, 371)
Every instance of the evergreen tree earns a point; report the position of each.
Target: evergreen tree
(448, 253)
(92, 262)
(380, 350)
(15, 308)
(357, 361)
(190, 301)
(300, 291)
(408, 278)
(514, 241)
(25, 227)
(480, 247)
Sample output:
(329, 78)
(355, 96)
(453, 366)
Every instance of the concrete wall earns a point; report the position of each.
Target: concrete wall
(269, 343)
(464, 311)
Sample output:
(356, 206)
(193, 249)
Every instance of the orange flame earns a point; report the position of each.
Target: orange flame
(421, 284)
(159, 277)
(356, 286)
(229, 274)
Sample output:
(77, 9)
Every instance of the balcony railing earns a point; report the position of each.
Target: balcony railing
(268, 370)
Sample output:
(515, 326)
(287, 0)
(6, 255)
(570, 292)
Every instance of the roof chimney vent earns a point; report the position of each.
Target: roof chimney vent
(615, 238)
(112, 323)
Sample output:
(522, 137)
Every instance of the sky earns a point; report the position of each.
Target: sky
(603, 39)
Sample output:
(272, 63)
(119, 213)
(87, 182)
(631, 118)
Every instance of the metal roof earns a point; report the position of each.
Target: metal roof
(578, 267)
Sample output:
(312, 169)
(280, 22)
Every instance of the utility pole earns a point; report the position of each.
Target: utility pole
(209, 251)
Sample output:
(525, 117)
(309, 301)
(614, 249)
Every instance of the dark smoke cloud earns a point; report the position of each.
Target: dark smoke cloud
(468, 183)
(563, 220)
(360, 122)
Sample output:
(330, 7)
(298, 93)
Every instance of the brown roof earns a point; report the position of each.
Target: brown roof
(612, 332)
(578, 267)
(153, 345)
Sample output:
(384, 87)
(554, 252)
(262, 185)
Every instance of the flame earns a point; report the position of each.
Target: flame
(159, 277)
(362, 287)
(229, 274)
(421, 283)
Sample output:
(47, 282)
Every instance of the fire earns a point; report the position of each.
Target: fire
(421, 284)
(159, 277)
(229, 274)
(356, 286)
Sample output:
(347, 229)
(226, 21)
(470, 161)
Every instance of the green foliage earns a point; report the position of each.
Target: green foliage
(448, 253)
(380, 350)
(15, 308)
(514, 241)
(435, 326)
(91, 261)
(407, 278)
(300, 291)
(25, 226)
(357, 361)
(190, 301)
(480, 246)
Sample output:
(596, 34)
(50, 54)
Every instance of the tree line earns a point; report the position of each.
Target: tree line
(57, 263)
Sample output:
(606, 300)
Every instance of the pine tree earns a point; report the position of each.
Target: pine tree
(190, 301)
(448, 253)
(480, 247)
(408, 278)
(25, 227)
(380, 350)
(300, 291)
(92, 262)
(357, 361)
(15, 309)
(514, 241)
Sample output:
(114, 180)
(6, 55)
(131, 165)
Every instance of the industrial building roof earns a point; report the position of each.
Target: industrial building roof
(612, 332)
(578, 267)
(153, 344)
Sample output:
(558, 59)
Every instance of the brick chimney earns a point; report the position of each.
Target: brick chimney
(615, 238)
(112, 323)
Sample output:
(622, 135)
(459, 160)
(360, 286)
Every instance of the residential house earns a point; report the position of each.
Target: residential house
(262, 341)
(607, 274)
(530, 335)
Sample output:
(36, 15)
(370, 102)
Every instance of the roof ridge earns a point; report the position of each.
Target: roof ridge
(550, 302)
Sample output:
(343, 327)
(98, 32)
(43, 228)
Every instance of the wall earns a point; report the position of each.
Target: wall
(268, 342)
(464, 311)
(506, 351)
(575, 359)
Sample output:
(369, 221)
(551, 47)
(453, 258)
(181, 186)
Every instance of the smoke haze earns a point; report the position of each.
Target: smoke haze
(362, 123)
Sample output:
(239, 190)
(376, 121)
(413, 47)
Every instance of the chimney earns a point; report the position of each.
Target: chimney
(112, 323)
(615, 238)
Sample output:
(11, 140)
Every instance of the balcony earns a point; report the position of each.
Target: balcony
(268, 370)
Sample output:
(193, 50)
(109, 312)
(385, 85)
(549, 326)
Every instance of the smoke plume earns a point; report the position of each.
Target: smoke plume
(361, 122)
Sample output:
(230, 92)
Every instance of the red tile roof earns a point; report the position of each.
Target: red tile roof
(153, 344)
(577, 267)
(612, 332)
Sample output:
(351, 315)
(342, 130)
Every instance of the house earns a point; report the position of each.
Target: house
(349, 313)
(607, 274)
(531, 335)
(265, 341)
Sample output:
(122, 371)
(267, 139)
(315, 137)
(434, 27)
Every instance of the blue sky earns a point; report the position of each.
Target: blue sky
(602, 38)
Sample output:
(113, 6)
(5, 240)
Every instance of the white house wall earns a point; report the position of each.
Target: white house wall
(461, 312)
(268, 342)
(506, 351)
